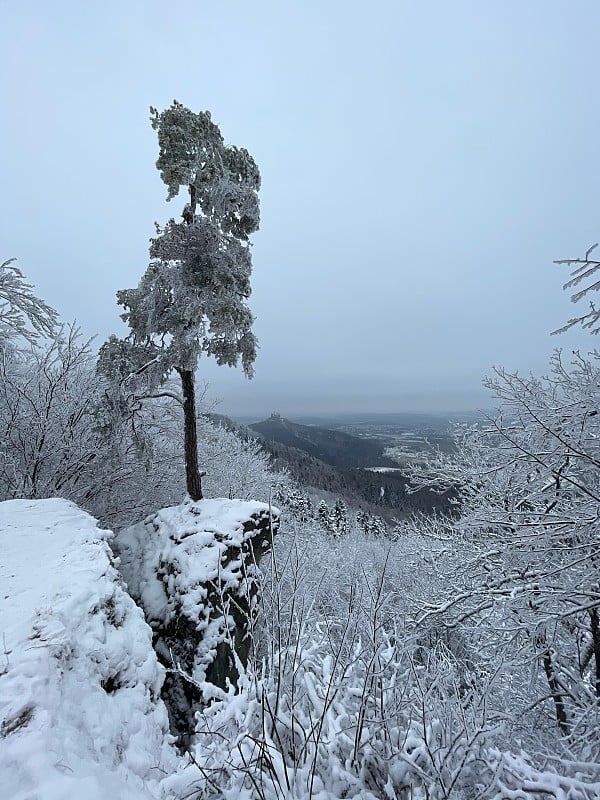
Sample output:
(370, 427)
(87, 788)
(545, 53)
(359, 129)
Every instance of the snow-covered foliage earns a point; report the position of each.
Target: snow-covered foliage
(583, 276)
(326, 727)
(344, 698)
(192, 298)
(223, 180)
(235, 467)
(524, 590)
(49, 442)
(79, 681)
(22, 314)
(335, 520)
(367, 731)
(55, 439)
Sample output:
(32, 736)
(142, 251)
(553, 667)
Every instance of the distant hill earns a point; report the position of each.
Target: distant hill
(333, 447)
(359, 487)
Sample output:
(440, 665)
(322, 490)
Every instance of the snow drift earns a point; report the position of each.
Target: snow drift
(80, 711)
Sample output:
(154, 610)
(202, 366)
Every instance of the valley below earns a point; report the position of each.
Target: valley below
(363, 458)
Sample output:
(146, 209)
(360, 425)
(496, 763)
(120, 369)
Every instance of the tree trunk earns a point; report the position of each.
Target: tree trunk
(559, 703)
(595, 626)
(192, 473)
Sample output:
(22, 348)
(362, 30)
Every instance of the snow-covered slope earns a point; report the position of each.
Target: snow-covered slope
(80, 714)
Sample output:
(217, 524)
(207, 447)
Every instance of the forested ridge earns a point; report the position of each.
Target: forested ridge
(341, 472)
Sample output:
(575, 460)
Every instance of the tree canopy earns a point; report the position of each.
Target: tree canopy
(192, 297)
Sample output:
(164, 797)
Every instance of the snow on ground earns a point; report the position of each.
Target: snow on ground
(80, 714)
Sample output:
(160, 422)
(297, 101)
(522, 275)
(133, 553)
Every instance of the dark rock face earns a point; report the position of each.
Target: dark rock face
(194, 571)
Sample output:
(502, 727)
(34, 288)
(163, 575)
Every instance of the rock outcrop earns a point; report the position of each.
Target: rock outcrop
(193, 568)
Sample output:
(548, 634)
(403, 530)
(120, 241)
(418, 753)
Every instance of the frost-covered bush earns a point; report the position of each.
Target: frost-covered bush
(49, 441)
(369, 724)
(235, 467)
(519, 576)
(355, 690)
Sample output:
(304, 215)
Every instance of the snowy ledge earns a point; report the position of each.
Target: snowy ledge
(193, 569)
(171, 558)
(80, 714)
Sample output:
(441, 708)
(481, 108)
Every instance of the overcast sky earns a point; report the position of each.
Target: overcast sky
(423, 163)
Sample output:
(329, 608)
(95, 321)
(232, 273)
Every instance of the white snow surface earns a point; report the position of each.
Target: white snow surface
(80, 714)
(170, 557)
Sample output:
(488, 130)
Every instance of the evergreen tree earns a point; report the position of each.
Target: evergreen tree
(377, 526)
(371, 524)
(362, 520)
(300, 503)
(340, 517)
(191, 298)
(324, 516)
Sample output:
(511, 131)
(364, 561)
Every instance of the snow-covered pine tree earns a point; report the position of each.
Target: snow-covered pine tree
(340, 517)
(192, 298)
(371, 524)
(362, 520)
(296, 500)
(324, 516)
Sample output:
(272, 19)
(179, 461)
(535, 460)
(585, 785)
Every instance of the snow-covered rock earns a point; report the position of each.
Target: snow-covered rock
(80, 708)
(193, 569)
